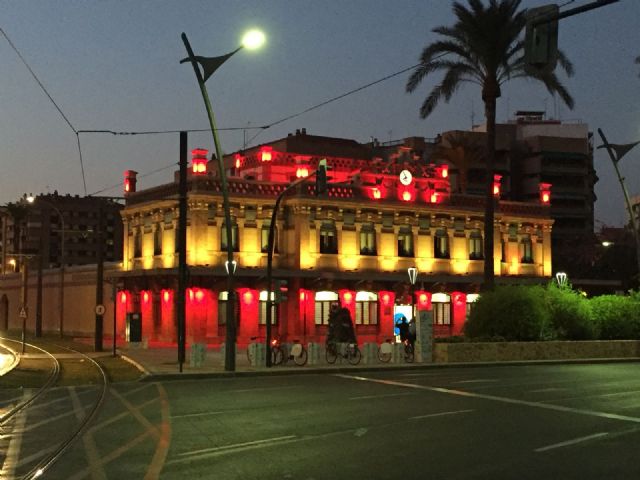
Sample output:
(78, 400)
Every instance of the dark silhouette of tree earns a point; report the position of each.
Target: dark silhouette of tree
(638, 62)
(484, 47)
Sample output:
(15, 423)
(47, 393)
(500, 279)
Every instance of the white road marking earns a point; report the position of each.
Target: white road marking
(202, 414)
(382, 395)
(360, 432)
(256, 389)
(551, 389)
(478, 380)
(513, 401)
(12, 456)
(441, 414)
(571, 442)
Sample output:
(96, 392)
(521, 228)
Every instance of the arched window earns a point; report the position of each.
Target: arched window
(366, 308)
(262, 312)
(441, 304)
(157, 241)
(441, 244)
(323, 301)
(475, 245)
(405, 241)
(368, 239)
(264, 237)
(526, 249)
(234, 236)
(328, 238)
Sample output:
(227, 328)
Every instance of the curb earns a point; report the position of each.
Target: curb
(14, 363)
(155, 377)
(145, 373)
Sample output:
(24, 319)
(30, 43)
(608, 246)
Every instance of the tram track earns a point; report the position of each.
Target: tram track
(37, 425)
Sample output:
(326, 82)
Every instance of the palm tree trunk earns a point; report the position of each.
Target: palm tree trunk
(490, 114)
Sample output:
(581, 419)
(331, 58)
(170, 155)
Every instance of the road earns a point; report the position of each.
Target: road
(525, 422)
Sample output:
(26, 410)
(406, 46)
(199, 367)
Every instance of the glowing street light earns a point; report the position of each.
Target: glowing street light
(204, 67)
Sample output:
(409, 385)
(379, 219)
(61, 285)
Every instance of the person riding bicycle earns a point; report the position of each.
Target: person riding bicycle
(403, 328)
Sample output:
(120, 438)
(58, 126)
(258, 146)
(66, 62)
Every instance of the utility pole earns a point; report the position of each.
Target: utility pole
(182, 250)
(99, 284)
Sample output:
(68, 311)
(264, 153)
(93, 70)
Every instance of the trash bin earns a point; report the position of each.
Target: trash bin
(134, 327)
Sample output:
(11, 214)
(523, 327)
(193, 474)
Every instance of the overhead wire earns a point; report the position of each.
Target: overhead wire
(33, 74)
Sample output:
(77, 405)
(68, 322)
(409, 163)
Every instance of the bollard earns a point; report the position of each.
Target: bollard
(197, 354)
(257, 355)
(370, 353)
(313, 352)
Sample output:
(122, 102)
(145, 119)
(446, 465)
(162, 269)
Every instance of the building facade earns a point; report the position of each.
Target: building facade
(353, 245)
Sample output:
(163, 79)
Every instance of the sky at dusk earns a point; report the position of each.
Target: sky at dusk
(114, 65)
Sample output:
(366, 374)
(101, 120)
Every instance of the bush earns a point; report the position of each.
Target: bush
(617, 317)
(511, 312)
(570, 314)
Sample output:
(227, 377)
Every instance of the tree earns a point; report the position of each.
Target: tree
(638, 62)
(484, 47)
(464, 153)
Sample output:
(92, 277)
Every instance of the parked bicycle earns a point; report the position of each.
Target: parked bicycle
(351, 352)
(385, 351)
(277, 353)
(297, 353)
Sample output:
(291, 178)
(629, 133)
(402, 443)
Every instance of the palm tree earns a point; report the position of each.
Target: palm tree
(463, 153)
(485, 47)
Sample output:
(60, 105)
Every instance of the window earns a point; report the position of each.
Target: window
(323, 301)
(137, 244)
(471, 302)
(234, 237)
(264, 238)
(328, 238)
(441, 244)
(366, 308)
(368, 239)
(441, 303)
(526, 249)
(223, 304)
(262, 311)
(157, 241)
(405, 242)
(475, 245)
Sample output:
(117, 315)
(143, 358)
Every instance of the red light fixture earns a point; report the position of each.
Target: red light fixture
(130, 181)
(247, 297)
(376, 193)
(166, 296)
(266, 154)
(238, 161)
(302, 172)
(545, 193)
(434, 197)
(496, 185)
(406, 196)
(145, 297)
(123, 297)
(199, 161)
(444, 171)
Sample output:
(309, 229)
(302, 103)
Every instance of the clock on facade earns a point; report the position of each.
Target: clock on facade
(405, 177)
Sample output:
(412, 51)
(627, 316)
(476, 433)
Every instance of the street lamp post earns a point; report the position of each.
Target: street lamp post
(209, 65)
(32, 199)
(413, 276)
(616, 152)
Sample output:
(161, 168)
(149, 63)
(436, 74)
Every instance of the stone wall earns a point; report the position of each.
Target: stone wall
(513, 351)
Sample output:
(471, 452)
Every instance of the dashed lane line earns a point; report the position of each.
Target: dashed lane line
(513, 401)
(383, 395)
(440, 414)
(571, 442)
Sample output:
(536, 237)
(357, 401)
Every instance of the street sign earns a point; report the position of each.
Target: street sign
(23, 312)
(100, 309)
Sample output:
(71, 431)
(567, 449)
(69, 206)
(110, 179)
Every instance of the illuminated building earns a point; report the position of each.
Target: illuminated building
(352, 245)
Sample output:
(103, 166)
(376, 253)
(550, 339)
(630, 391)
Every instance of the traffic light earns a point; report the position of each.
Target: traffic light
(321, 177)
(541, 40)
(282, 289)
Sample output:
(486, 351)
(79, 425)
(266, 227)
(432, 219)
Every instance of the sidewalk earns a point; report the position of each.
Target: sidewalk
(162, 364)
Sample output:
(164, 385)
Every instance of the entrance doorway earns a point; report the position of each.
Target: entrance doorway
(4, 313)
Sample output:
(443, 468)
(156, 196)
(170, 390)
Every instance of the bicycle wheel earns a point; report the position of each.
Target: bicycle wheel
(277, 356)
(331, 353)
(383, 357)
(354, 355)
(409, 354)
(301, 359)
